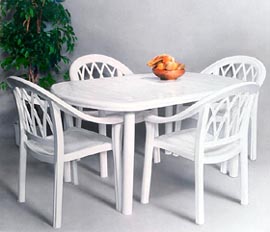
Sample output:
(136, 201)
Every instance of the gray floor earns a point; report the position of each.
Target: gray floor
(90, 206)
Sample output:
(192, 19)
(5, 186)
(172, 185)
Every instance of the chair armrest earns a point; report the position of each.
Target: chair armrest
(187, 113)
(110, 119)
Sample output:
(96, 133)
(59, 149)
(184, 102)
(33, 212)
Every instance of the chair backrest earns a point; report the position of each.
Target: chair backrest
(39, 115)
(224, 116)
(96, 66)
(40, 112)
(241, 67)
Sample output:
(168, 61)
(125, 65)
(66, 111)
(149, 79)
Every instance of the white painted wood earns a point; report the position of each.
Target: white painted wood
(215, 139)
(60, 145)
(128, 162)
(107, 94)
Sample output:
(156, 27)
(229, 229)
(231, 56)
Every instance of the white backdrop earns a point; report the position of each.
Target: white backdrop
(195, 32)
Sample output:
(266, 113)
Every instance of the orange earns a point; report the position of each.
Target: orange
(167, 58)
(169, 65)
(160, 66)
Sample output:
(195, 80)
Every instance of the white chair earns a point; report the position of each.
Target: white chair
(211, 141)
(100, 66)
(247, 69)
(244, 68)
(43, 136)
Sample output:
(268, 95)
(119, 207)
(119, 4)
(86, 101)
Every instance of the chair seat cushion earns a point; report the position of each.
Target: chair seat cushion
(182, 143)
(76, 141)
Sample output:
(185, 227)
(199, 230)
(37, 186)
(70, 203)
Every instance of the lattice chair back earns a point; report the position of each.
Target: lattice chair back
(40, 115)
(225, 116)
(97, 66)
(40, 111)
(241, 67)
(35, 113)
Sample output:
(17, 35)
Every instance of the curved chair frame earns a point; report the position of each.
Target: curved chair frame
(87, 65)
(212, 141)
(100, 66)
(43, 136)
(244, 68)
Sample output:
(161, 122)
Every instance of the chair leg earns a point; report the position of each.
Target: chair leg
(78, 122)
(224, 167)
(103, 164)
(58, 194)
(103, 155)
(234, 166)
(156, 149)
(253, 135)
(68, 122)
(75, 178)
(199, 192)
(147, 169)
(67, 172)
(168, 126)
(178, 124)
(22, 173)
(244, 174)
(117, 155)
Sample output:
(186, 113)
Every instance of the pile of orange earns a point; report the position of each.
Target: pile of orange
(166, 68)
(165, 62)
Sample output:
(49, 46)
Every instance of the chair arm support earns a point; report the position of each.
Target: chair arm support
(17, 82)
(189, 112)
(109, 120)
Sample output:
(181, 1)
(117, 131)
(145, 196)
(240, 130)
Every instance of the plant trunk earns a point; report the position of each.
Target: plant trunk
(33, 74)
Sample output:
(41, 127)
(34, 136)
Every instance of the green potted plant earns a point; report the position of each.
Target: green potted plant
(35, 38)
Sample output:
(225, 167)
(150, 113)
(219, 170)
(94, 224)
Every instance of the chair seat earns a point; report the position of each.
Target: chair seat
(77, 142)
(182, 143)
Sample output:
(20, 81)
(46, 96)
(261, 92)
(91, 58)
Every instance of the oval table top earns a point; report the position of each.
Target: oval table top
(139, 92)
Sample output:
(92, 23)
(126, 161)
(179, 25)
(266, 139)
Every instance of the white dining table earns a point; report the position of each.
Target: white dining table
(134, 93)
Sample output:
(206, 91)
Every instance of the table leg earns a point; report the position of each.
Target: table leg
(67, 167)
(103, 162)
(168, 126)
(128, 162)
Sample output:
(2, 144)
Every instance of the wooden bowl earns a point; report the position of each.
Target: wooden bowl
(168, 75)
